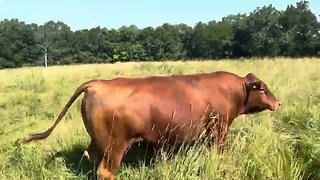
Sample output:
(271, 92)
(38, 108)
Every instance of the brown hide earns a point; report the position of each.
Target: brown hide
(168, 109)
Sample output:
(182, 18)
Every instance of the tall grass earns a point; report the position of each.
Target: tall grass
(268, 145)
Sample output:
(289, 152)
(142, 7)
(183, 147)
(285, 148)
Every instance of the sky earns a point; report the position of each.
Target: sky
(86, 14)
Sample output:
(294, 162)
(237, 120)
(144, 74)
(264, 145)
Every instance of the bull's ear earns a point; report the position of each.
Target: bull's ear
(251, 77)
(252, 82)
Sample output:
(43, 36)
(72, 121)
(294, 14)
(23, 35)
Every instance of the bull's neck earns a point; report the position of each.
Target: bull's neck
(238, 100)
(244, 98)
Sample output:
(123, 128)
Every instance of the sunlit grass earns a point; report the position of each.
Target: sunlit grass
(269, 145)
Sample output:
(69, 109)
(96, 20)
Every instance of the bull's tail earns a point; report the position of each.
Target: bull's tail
(45, 134)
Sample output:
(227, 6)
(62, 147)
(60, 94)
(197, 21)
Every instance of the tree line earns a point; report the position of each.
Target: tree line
(264, 32)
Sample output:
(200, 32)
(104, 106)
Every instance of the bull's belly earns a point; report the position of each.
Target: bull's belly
(172, 133)
(173, 122)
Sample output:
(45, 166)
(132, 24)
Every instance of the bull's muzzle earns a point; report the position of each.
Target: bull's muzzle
(276, 106)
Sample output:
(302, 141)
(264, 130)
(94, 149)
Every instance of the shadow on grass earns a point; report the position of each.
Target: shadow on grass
(140, 153)
(76, 162)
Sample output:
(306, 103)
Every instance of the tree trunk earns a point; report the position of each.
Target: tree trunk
(45, 57)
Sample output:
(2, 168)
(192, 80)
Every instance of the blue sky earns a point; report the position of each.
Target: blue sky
(81, 14)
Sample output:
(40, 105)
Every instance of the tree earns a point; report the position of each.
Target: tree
(54, 39)
(18, 45)
(301, 30)
(265, 31)
(199, 38)
(219, 39)
(149, 42)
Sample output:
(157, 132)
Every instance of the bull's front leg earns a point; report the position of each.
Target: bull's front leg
(221, 139)
(221, 130)
(216, 132)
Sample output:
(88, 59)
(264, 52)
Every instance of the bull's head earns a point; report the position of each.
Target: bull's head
(258, 96)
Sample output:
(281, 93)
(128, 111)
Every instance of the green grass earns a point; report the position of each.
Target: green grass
(268, 145)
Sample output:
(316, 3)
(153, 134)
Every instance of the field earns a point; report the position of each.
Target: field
(269, 145)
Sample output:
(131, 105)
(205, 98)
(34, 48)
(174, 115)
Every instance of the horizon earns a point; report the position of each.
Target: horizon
(141, 14)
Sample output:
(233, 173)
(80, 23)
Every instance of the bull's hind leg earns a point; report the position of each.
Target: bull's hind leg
(112, 138)
(112, 158)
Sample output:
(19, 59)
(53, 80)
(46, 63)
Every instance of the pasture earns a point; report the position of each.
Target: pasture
(269, 145)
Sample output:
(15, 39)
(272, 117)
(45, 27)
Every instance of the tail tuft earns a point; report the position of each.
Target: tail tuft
(35, 137)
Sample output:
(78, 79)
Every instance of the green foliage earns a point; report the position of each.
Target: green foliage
(264, 32)
(18, 45)
(301, 29)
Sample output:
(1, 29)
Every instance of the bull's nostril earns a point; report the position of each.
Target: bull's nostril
(279, 104)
